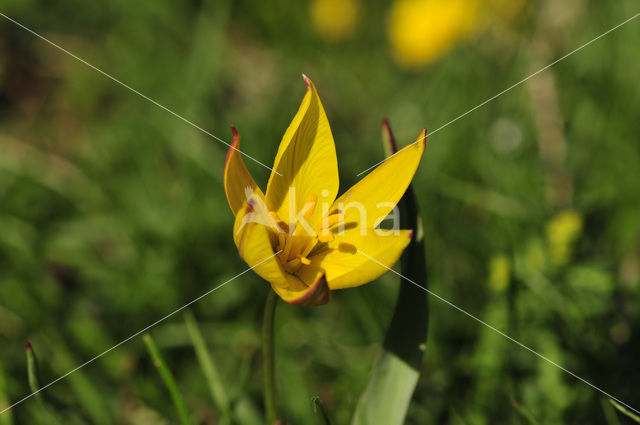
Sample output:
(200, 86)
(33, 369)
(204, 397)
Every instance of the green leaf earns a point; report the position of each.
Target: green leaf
(33, 375)
(609, 412)
(396, 370)
(208, 366)
(168, 379)
(318, 406)
(6, 418)
(625, 411)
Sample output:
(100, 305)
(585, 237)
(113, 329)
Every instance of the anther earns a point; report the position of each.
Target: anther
(333, 219)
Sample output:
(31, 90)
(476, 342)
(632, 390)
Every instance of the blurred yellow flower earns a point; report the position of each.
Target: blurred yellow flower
(420, 31)
(334, 20)
(499, 272)
(561, 231)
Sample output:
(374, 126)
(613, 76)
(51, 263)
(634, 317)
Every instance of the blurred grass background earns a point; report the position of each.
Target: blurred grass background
(112, 211)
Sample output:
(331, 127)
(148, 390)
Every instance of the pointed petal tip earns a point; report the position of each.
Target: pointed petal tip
(410, 235)
(28, 346)
(307, 81)
(232, 147)
(388, 138)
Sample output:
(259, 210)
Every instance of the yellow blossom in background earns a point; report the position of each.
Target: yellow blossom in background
(421, 31)
(334, 20)
(561, 231)
(499, 272)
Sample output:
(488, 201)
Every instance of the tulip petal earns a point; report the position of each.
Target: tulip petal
(237, 179)
(316, 293)
(306, 160)
(349, 262)
(254, 240)
(370, 200)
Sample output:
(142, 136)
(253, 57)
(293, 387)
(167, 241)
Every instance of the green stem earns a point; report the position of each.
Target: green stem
(268, 364)
(167, 377)
(209, 368)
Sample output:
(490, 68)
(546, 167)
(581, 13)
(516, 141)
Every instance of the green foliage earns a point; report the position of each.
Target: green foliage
(168, 380)
(395, 373)
(112, 211)
(209, 368)
(628, 413)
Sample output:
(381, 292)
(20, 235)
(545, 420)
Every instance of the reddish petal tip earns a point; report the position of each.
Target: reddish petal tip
(318, 294)
(307, 81)
(234, 131)
(410, 234)
(28, 346)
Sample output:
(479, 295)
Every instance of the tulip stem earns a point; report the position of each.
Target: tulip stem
(268, 363)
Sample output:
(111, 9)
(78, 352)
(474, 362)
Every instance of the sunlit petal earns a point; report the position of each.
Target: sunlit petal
(347, 263)
(306, 160)
(372, 198)
(254, 241)
(237, 180)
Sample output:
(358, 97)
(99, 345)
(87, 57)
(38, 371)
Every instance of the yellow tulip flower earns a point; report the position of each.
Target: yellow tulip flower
(298, 236)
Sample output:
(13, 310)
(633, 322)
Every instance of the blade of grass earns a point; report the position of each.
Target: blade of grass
(33, 373)
(609, 412)
(33, 376)
(625, 411)
(524, 412)
(6, 418)
(91, 405)
(318, 405)
(168, 379)
(208, 366)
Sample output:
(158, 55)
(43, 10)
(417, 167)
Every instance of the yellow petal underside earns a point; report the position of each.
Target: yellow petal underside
(380, 190)
(347, 263)
(306, 160)
(237, 178)
(254, 243)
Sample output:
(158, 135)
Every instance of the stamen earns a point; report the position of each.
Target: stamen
(333, 219)
(287, 248)
(293, 265)
(325, 236)
(308, 249)
(294, 251)
(278, 224)
(310, 206)
(305, 261)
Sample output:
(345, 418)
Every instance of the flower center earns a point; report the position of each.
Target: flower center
(294, 241)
